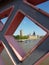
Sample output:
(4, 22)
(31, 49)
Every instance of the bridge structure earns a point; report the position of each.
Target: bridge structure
(16, 10)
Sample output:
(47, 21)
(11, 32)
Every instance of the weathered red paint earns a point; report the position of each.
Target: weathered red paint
(6, 12)
(14, 24)
(1, 25)
(1, 47)
(19, 52)
(35, 2)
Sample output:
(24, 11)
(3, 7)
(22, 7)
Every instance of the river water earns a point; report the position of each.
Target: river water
(27, 45)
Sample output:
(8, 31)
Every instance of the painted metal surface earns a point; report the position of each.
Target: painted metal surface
(44, 60)
(1, 61)
(40, 17)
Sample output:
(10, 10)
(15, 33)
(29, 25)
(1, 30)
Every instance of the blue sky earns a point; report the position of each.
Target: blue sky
(28, 26)
(4, 20)
(44, 6)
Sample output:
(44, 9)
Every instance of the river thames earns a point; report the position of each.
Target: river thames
(27, 45)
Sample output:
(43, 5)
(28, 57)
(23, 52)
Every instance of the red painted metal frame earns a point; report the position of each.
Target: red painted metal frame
(36, 8)
(19, 52)
(15, 23)
(35, 2)
(1, 47)
(42, 59)
(13, 26)
(6, 13)
(1, 25)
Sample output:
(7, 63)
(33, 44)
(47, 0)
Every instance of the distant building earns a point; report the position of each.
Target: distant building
(34, 33)
(34, 36)
(21, 32)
